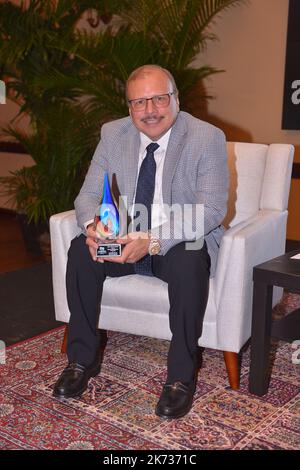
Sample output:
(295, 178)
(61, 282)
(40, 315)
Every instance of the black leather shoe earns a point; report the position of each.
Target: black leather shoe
(74, 380)
(176, 400)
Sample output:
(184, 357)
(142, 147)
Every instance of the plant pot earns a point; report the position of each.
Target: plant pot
(35, 236)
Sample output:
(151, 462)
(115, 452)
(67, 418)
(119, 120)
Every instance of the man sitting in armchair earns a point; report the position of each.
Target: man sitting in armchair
(160, 157)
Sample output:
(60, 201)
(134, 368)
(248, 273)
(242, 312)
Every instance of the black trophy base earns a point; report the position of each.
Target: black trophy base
(108, 250)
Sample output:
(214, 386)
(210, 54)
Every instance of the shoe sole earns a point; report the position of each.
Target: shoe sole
(77, 394)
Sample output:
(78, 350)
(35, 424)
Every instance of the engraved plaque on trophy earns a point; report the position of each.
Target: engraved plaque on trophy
(107, 223)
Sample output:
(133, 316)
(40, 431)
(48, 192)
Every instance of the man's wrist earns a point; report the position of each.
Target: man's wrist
(154, 244)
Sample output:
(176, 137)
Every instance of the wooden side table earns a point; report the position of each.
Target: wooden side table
(284, 272)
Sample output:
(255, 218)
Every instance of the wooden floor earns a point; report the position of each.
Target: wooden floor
(13, 253)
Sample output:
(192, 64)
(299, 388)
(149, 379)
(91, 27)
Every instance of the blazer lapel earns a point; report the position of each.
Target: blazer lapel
(130, 156)
(173, 155)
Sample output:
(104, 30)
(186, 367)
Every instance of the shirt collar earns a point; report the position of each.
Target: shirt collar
(162, 142)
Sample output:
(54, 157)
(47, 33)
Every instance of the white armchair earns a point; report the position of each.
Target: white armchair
(256, 222)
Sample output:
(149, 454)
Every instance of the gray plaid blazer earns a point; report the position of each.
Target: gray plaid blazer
(195, 172)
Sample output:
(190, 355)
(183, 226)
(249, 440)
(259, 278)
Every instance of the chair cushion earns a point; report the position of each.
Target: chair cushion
(140, 305)
(129, 292)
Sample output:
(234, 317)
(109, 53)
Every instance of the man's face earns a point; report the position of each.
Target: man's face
(153, 121)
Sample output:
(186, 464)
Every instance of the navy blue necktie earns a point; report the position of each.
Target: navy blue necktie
(144, 195)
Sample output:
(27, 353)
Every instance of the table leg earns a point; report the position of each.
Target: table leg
(260, 338)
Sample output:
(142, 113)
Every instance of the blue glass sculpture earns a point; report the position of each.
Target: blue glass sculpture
(109, 228)
(108, 213)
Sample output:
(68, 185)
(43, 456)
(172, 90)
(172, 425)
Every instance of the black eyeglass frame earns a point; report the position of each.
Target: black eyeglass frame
(148, 99)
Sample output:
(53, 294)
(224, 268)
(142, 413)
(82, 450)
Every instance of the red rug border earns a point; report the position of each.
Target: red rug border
(40, 335)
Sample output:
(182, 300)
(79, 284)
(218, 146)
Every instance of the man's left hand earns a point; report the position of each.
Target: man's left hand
(134, 247)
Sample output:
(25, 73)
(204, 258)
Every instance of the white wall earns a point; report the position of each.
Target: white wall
(251, 48)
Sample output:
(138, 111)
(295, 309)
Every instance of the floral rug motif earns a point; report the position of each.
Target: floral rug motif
(117, 410)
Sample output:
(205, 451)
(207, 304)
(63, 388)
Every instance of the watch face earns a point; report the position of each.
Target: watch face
(154, 248)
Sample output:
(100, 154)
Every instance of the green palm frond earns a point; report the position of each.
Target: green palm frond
(61, 147)
(20, 29)
(180, 26)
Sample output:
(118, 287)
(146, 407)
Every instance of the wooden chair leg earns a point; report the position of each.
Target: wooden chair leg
(65, 341)
(232, 366)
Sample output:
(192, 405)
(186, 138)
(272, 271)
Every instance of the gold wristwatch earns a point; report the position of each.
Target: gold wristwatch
(154, 245)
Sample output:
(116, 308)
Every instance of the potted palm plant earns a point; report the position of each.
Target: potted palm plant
(60, 140)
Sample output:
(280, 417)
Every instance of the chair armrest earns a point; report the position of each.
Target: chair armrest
(63, 228)
(244, 246)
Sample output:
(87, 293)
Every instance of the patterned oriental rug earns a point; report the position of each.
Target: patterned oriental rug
(117, 410)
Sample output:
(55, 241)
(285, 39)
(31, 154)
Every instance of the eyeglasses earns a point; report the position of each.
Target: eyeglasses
(159, 101)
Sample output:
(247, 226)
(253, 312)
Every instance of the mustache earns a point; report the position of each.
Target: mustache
(151, 116)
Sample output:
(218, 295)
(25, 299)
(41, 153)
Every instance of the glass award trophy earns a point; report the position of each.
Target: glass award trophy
(107, 223)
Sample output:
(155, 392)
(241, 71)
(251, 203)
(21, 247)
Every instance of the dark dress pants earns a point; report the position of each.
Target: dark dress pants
(187, 275)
